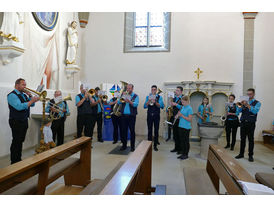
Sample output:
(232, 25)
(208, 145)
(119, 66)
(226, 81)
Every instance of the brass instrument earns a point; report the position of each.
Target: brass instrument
(91, 92)
(104, 97)
(54, 115)
(159, 91)
(224, 117)
(42, 94)
(170, 110)
(117, 107)
(204, 113)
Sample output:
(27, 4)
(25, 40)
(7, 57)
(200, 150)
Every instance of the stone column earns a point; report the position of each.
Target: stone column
(249, 18)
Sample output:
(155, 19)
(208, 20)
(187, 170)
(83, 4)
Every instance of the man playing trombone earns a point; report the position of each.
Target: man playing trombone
(61, 110)
(153, 104)
(19, 102)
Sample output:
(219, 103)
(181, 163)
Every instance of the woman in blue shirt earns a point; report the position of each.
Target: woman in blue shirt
(185, 115)
(208, 111)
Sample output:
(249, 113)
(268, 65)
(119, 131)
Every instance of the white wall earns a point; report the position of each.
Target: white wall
(211, 41)
(16, 69)
(264, 69)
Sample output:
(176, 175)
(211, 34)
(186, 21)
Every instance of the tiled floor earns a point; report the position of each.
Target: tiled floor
(166, 168)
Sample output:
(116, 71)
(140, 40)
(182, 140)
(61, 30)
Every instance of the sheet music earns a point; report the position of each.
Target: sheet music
(170, 94)
(251, 188)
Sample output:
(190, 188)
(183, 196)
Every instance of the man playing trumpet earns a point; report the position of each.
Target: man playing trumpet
(58, 125)
(153, 106)
(19, 101)
(249, 110)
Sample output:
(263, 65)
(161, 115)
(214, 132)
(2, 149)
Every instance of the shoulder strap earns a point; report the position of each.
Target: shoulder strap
(134, 97)
(80, 96)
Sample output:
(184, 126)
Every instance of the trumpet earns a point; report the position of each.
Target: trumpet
(158, 93)
(42, 94)
(91, 92)
(54, 115)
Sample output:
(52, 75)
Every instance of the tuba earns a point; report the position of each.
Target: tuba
(59, 110)
(117, 107)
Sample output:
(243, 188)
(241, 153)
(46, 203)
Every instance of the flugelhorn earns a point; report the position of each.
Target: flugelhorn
(239, 104)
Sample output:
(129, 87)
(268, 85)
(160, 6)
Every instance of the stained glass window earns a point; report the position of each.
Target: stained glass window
(149, 29)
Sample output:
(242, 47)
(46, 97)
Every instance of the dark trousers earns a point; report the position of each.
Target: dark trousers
(128, 122)
(84, 122)
(19, 130)
(153, 120)
(176, 136)
(58, 127)
(231, 126)
(184, 140)
(170, 127)
(97, 118)
(247, 129)
(116, 127)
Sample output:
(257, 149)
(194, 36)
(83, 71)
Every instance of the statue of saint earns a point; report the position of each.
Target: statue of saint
(10, 26)
(72, 44)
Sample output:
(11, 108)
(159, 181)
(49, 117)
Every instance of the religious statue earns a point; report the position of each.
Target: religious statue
(72, 44)
(10, 29)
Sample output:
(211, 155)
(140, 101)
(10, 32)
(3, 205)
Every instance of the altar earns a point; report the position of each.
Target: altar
(217, 92)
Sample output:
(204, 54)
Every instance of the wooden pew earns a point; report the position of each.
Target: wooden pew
(134, 176)
(220, 167)
(32, 175)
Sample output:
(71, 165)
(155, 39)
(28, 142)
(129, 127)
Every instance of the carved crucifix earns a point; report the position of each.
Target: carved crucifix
(198, 72)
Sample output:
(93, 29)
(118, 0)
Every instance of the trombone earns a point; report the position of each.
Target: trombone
(42, 94)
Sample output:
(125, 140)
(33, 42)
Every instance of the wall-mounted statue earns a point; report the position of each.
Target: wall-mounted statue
(10, 29)
(72, 43)
(72, 36)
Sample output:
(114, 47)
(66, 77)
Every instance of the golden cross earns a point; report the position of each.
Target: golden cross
(198, 72)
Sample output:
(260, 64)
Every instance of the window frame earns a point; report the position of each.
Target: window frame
(129, 35)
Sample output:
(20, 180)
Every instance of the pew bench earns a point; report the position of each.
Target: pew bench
(220, 167)
(34, 174)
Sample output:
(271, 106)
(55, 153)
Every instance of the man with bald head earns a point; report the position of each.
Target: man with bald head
(58, 125)
(128, 118)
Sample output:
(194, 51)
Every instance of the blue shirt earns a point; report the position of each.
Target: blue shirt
(161, 102)
(135, 104)
(62, 105)
(254, 109)
(234, 116)
(186, 111)
(99, 109)
(201, 109)
(16, 103)
(176, 99)
(77, 98)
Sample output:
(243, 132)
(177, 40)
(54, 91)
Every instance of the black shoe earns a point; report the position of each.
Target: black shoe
(232, 148)
(239, 156)
(183, 157)
(179, 157)
(250, 159)
(227, 146)
(132, 149)
(158, 143)
(155, 148)
(114, 142)
(100, 140)
(123, 148)
(174, 150)
(179, 153)
(167, 139)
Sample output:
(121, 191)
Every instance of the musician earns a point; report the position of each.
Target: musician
(204, 111)
(177, 105)
(232, 122)
(248, 120)
(97, 114)
(115, 120)
(84, 112)
(185, 118)
(58, 125)
(19, 102)
(128, 118)
(153, 107)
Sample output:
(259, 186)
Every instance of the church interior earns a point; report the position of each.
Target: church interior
(137, 63)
